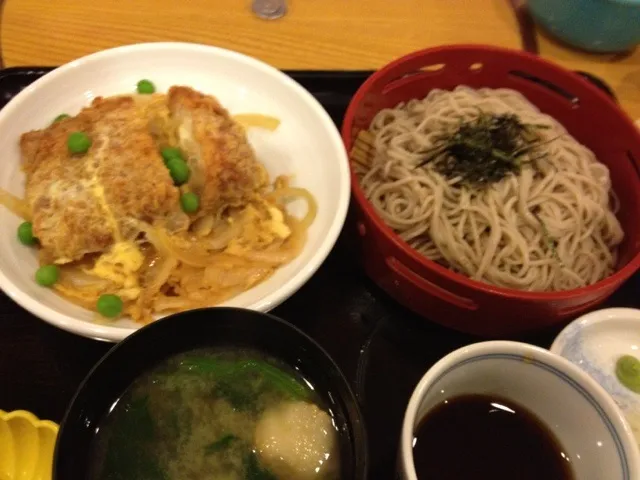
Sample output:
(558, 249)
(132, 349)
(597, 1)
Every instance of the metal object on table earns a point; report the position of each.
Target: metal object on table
(269, 9)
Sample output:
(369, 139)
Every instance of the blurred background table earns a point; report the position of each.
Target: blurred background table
(315, 34)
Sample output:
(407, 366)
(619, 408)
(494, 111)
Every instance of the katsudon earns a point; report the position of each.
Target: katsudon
(152, 203)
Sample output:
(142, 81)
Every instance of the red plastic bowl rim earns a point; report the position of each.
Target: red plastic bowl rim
(614, 280)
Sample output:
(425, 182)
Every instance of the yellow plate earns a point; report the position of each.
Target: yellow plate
(27, 446)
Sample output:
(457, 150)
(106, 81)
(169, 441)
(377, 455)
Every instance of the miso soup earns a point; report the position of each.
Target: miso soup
(217, 414)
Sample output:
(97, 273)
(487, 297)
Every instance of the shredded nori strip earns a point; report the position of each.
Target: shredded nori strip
(484, 150)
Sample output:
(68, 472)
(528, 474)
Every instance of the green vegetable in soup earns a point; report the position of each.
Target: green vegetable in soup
(195, 416)
(131, 458)
(221, 444)
(240, 393)
(253, 470)
(280, 380)
(139, 422)
(628, 372)
(274, 376)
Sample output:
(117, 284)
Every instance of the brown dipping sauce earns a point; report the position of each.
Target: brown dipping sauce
(486, 437)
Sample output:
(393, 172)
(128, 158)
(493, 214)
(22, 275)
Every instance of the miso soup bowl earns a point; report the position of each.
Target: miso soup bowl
(213, 327)
(594, 435)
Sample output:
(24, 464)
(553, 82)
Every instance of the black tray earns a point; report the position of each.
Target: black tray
(382, 347)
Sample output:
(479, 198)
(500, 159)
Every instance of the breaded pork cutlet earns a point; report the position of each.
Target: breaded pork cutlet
(224, 169)
(80, 203)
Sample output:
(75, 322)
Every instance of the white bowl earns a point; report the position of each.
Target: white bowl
(594, 342)
(597, 440)
(307, 145)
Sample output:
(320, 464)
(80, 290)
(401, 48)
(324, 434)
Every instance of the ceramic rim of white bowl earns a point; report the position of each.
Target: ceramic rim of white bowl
(559, 366)
(268, 302)
(591, 318)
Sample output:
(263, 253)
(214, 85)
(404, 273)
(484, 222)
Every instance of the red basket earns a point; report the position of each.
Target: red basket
(589, 115)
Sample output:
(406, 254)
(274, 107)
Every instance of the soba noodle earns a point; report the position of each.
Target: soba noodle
(548, 228)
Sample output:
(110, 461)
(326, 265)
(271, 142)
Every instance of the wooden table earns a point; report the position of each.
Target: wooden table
(315, 34)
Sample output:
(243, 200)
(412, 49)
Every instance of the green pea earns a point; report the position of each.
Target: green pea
(146, 87)
(78, 142)
(189, 202)
(179, 170)
(25, 234)
(628, 372)
(62, 116)
(109, 305)
(47, 275)
(170, 152)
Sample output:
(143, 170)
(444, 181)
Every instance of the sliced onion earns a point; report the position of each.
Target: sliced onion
(203, 226)
(74, 277)
(165, 246)
(79, 297)
(15, 205)
(220, 237)
(216, 277)
(248, 120)
(177, 222)
(290, 193)
(289, 250)
(164, 303)
(157, 274)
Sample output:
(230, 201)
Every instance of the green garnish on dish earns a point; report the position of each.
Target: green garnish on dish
(628, 372)
(25, 234)
(190, 202)
(486, 149)
(47, 275)
(109, 305)
(169, 153)
(78, 142)
(62, 116)
(146, 87)
(179, 170)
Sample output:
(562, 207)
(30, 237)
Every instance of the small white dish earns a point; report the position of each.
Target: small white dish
(595, 437)
(595, 342)
(306, 145)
